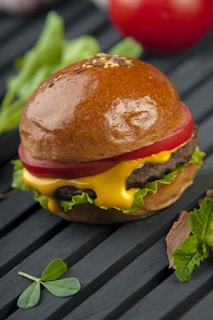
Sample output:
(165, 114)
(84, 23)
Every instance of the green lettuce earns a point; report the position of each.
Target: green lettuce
(67, 205)
(18, 182)
(76, 200)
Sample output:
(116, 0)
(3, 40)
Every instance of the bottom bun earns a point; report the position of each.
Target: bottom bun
(164, 197)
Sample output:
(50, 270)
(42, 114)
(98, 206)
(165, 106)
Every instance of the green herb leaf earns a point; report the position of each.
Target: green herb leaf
(60, 288)
(63, 288)
(30, 297)
(196, 248)
(46, 57)
(75, 200)
(17, 176)
(127, 47)
(41, 198)
(43, 55)
(189, 256)
(201, 221)
(54, 270)
(197, 157)
(78, 49)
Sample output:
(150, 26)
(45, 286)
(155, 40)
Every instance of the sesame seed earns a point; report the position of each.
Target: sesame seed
(57, 77)
(103, 60)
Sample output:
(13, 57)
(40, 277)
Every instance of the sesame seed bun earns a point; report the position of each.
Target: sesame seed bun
(98, 108)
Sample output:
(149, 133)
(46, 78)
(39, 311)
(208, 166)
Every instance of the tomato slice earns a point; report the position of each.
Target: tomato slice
(64, 170)
(175, 139)
(71, 170)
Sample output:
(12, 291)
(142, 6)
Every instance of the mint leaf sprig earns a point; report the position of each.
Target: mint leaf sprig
(31, 296)
(196, 247)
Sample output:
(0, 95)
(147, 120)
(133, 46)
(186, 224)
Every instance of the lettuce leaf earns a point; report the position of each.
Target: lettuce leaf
(76, 200)
(18, 182)
(67, 205)
(197, 157)
(41, 198)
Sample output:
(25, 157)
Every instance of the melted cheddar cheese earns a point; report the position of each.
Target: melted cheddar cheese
(109, 186)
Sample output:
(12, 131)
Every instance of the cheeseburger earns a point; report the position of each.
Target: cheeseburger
(106, 140)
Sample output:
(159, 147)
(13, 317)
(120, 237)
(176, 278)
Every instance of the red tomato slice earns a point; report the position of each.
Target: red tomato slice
(54, 169)
(64, 170)
(175, 139)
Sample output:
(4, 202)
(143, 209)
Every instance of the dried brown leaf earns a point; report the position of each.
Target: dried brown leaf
(209, 194)
(179, 231)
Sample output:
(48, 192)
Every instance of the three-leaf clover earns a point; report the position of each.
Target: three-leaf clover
(30, 297)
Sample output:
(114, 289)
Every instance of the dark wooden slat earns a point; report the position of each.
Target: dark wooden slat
(142, 275)
(20, 42)
(200, 100)
(87, 23)
(9, 25)
(205, 136)
(169, 299)
(76, 11)
(5, 177)
(37, 229)
(192, 71)
(107, 36)
(71, 244)
(14, 209)
(168, 63)
(201, 310)
(4, 75)
(9, 143)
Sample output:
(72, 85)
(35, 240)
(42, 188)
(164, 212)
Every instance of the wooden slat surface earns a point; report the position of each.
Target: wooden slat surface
(123, 269)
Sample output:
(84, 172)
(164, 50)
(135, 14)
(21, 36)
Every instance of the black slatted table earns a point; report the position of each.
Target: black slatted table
(123, 269)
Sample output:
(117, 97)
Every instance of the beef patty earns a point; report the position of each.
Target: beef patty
(143, 174)
(154, 171)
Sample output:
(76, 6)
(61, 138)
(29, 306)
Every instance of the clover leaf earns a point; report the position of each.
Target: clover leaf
(31, 296)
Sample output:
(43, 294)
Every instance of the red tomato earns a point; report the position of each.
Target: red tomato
(54, 169)
(66, 170)
(175, 139)
(163, 25)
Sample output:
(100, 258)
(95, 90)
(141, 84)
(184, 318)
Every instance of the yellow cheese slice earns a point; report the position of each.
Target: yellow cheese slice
(109, 186)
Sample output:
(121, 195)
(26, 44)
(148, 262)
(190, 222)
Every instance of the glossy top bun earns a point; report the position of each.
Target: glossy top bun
(98, 108)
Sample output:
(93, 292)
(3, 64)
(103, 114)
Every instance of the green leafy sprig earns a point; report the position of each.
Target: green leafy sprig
(45, 57)
(31, 296)
(196, 247)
